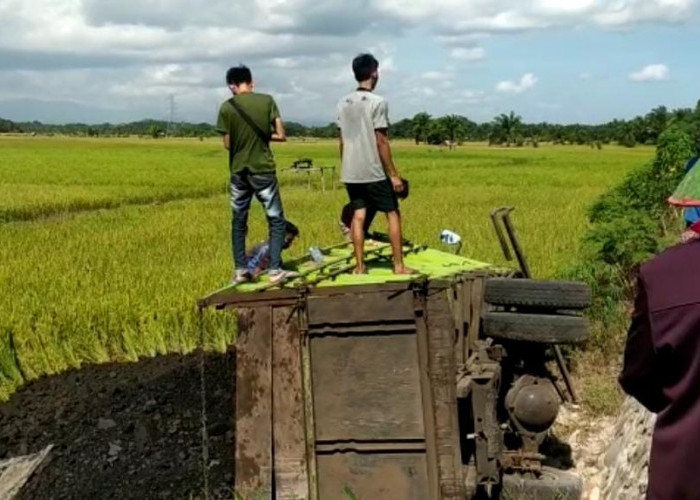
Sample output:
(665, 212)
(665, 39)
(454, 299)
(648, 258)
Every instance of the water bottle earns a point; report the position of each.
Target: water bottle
(316, 255)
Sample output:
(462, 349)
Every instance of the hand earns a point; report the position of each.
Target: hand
(689, 236)
(397, 183)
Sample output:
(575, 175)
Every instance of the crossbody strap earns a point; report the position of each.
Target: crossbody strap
(265, 138)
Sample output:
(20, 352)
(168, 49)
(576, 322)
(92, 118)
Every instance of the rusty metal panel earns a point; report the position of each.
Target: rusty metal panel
(366, 387)
(443, 376)
(476, 308)
(363, 329)
(385, 476)
(371, 288)
(360, 308)
(291, 475)
(229, 296)
(456, 305)
(254, 403)
(486, 427)
(433, 489)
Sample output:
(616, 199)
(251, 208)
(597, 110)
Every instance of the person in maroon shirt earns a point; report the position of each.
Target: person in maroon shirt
(662, 367)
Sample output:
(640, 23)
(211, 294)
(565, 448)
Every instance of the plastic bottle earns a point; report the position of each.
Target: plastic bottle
(449, 238)
(316, 255)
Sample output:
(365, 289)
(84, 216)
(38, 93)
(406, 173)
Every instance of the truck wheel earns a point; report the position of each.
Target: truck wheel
(536, 293)
(551, 484)
(541, 328)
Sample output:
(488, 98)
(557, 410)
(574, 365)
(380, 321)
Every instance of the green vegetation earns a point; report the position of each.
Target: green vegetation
(505, 129)
(96, 268)
(629, 224)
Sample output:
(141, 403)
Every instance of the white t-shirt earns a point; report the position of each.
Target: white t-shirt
(359, 115)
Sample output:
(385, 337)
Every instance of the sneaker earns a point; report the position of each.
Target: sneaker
(278, 276)
(242, 276)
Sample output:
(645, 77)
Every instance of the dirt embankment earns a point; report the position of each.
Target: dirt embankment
(125, 430)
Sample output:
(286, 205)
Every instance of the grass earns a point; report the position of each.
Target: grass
(97, 267)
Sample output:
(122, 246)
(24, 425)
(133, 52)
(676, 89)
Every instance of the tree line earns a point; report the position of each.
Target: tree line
(505, 129)
(509, 129)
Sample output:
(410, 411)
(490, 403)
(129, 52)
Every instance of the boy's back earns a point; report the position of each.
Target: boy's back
(360, 113)
(247, 149)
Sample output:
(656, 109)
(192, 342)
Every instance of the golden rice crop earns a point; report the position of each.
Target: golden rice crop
(93, 269)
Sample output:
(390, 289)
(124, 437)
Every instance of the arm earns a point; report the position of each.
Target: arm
(641, 375)
(223, 125)
(384, 150)
(279, 134)
(380, 120)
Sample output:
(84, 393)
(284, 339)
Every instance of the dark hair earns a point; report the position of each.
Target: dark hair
(239, 74)
(290, 228)
(363, 66)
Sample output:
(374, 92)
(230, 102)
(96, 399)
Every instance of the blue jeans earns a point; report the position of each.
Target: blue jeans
(245, 185)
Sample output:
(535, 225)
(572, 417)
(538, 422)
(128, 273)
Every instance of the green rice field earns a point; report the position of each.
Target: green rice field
(106, 244)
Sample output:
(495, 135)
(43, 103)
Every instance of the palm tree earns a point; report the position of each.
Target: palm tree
(453, 126)
(657, 121)
(421, 124)
(509, 125)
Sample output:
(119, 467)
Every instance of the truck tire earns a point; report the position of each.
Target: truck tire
(552, 484)
(541, 328)
(537, 293)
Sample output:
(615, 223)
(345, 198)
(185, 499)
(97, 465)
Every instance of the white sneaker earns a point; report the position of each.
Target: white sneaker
(278, 276)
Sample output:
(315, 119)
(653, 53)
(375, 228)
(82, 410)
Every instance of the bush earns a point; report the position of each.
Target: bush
(629, 225)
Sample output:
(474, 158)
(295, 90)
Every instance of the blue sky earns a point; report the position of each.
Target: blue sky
(549, 60)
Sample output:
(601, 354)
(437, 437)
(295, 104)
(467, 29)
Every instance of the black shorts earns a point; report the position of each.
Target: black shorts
(378, 195)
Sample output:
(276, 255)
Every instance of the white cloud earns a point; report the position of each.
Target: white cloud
(467, 53)
(585, 76)
(652, 72)
(127, 53)
(527, 81)
(471, 96)
(565, 7)
(459, 16)
(437, 75)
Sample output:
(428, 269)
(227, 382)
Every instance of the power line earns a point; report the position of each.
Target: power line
(171, 115)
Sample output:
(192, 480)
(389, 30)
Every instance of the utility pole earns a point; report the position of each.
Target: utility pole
(171, 115)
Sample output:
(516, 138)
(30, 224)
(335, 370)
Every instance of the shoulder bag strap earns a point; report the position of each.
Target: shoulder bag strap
(265, 138)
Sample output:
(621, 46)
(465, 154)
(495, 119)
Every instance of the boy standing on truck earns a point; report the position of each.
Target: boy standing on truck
(368, 169)
(248, 122)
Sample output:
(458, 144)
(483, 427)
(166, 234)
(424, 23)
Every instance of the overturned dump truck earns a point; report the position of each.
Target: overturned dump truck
(437, 386)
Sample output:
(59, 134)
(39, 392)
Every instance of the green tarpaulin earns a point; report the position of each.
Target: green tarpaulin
(687, 194)
(338, 264)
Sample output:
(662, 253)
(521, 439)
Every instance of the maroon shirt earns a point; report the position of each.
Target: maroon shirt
(662, 368)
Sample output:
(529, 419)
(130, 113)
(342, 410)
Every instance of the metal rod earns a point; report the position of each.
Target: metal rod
(525, 268)
(517, 249)
(495, 220)
(565, 374)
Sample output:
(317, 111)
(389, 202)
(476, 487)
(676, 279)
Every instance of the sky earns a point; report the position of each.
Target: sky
(565, 61)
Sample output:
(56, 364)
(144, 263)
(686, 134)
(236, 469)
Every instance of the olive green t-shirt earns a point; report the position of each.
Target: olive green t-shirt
(247, 149)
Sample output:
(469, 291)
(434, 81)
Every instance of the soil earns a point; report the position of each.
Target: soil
(125, 430)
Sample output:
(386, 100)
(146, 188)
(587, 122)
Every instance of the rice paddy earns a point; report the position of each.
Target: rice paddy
(105, 244)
